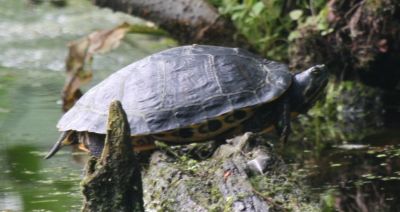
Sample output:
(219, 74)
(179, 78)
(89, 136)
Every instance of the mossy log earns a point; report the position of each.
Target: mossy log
(113, 181)
(227, 181)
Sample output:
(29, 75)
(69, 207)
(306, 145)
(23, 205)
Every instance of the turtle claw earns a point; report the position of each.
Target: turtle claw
(53, 150)
(57, 146)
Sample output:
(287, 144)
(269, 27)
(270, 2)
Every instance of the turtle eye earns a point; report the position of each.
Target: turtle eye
(316, 71)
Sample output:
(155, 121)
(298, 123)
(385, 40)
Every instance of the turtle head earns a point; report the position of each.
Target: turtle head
(308, 87)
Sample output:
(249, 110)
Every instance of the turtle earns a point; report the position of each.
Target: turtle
(193, 93)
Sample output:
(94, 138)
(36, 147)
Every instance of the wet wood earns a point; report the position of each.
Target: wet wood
(220, 183)
(113, 181)
(188, 21)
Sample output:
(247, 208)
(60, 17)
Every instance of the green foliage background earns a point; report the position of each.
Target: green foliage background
(271, 25)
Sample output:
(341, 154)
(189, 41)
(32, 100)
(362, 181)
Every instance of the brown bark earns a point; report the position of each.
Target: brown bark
(188, 21)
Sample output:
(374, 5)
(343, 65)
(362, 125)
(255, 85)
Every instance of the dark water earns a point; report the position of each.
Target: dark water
(361, 177)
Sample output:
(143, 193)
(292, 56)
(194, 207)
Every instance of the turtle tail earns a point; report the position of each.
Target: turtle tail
(57, 146)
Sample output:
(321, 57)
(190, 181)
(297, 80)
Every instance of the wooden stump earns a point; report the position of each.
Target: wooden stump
(113, 181)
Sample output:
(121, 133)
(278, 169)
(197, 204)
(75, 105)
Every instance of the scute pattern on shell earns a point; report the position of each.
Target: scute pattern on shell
(180, 87)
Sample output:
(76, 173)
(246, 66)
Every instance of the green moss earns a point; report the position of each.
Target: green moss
(228, 204)
(188, 164)
(167, 205)
(215, 194)
(283, 191)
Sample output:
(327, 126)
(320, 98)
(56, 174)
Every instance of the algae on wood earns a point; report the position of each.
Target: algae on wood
(223, 182)
(113, 182)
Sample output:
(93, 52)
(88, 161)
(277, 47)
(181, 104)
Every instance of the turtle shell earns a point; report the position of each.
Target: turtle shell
(180, 87)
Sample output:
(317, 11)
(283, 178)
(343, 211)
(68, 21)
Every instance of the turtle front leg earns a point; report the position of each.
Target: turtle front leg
(283, 125)
(93, 142)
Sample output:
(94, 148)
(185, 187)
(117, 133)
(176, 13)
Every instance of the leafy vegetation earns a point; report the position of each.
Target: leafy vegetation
(270, 25)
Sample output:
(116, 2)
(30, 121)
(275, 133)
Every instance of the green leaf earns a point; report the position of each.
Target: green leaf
(258, 8)
(294, 35)
(296, 14)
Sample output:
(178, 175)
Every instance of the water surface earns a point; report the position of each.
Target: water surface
(33, 40)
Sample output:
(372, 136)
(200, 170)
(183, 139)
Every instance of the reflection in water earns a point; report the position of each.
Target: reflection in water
(29, 184)
(22, 166)
(365, 181)
(11, 201)
(355, 179)
(375, 195)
